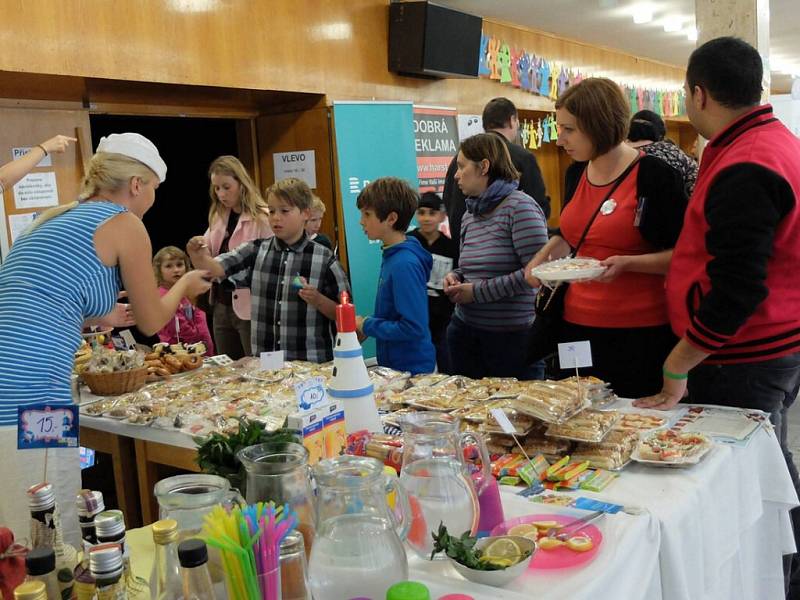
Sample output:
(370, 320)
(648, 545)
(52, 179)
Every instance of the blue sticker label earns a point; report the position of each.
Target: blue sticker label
(47, 426)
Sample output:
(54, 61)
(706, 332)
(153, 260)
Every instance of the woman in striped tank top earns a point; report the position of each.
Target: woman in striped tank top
(66, 269)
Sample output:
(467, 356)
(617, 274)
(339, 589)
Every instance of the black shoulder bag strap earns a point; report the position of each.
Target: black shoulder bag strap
(574, 252)
(613, 189)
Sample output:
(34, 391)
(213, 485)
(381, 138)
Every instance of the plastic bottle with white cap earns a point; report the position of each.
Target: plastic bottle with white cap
(46, 525)
(106, 565)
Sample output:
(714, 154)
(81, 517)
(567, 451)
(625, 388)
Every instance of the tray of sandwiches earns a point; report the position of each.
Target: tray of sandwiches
(550, 401)
(522, 423)
(587, 426)
(612, 454)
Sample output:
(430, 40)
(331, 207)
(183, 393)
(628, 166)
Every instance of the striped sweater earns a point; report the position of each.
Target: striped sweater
(494, 251)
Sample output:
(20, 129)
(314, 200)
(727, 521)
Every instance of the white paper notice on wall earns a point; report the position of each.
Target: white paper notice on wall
(573, 355)
(36, 190)
(16, 153)
(469, 125)
(19, 223)
(300, 164)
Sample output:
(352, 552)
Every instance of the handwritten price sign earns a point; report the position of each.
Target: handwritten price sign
(311, 394)
(47, 426)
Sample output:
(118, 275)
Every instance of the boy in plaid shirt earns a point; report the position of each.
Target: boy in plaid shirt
(295, 283)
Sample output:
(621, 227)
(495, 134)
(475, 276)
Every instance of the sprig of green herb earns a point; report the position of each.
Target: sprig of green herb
(217, 453)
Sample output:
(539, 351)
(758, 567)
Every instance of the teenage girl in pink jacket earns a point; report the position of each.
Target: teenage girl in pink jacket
(238, 215)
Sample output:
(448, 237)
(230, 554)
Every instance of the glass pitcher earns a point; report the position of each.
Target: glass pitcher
(435, 475)
(189, 498)
(279, 472)
(358, 550)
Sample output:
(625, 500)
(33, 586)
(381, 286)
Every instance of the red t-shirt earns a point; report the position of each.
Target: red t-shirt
(630, 300)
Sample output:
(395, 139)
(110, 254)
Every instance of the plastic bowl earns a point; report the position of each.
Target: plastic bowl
(500, 577)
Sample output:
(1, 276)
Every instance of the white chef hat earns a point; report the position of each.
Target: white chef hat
(135, 146)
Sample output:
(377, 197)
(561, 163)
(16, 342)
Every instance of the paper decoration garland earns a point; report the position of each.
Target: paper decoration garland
(537, 75)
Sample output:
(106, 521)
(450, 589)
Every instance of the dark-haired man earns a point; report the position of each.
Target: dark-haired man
(499, 117)
(732, 289)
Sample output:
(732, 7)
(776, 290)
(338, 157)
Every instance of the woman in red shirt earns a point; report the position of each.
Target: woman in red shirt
(623, 313)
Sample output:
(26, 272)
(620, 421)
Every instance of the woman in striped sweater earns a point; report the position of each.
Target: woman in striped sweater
(501, 231)
(67, 268)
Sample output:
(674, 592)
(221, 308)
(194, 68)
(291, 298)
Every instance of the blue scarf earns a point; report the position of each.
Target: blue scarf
(493, 195)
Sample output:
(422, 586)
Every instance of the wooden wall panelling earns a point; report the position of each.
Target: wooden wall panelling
(304, 130)
(28, 127)
(316, 46)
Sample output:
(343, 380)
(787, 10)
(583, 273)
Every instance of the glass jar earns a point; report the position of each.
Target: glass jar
(435, 475)
(358, 550)
(294, 571)
(279, 472)
(189, 498)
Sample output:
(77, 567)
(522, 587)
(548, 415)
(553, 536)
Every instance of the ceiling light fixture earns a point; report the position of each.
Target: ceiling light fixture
(642, 13)
(673, 24)
(194, 6)
(691, 34)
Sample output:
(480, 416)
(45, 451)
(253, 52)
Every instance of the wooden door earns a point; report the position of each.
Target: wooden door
(298, 131)
(24, 128)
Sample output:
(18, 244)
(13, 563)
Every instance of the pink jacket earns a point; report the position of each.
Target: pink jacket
(247, 230)
(192, 323)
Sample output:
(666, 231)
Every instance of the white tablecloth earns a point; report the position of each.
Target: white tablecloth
(714, 531)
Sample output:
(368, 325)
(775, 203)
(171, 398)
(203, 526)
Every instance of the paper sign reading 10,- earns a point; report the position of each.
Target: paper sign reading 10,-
(573, 355)
(311, 394)
(502, 420)
(47, 426)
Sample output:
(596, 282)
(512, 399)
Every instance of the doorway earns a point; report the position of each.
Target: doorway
(187, 145)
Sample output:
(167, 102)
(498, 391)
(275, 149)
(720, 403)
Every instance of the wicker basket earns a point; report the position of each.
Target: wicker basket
(113, 384)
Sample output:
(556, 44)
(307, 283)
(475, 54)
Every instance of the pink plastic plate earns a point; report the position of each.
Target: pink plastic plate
(558, 558)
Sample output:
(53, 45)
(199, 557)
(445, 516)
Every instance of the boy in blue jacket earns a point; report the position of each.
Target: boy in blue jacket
(400, 321)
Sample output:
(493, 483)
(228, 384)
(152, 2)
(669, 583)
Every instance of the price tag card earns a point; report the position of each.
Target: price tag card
(272, 361)
(47, 426)
(502, 420)
(128, 338)
(220, 360)
(573, 355)
(311, 394)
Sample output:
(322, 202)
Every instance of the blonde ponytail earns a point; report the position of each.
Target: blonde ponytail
(108, 172)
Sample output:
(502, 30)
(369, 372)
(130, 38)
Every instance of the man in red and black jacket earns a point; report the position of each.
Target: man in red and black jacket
(733, 292)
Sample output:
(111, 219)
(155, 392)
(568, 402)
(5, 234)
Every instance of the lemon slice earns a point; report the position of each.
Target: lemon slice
(503, 548)
(549, 543)
(497, 562)
(526, 530)
(580, 543)
(547, 525)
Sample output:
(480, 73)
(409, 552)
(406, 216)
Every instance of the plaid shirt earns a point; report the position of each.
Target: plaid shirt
(280, 318)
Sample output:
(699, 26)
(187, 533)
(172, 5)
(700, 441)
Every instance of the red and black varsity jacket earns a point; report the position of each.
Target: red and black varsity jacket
(733, 287)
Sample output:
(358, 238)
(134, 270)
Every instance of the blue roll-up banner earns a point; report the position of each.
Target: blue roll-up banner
(373, 139)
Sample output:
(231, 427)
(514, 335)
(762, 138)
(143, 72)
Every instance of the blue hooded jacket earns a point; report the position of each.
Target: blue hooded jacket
(400, 322)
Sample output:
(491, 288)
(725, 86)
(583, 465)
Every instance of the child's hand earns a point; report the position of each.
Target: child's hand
(360, 328)
(310, 294)
(197, 247)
